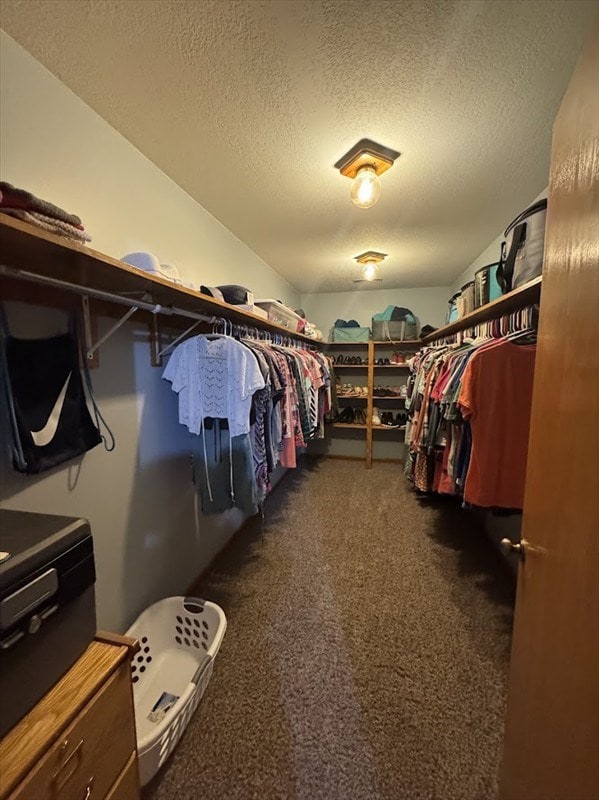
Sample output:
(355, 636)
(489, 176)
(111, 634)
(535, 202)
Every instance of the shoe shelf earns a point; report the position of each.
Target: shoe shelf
(415, 343)
(376, 366)
(343, 345)
(384, 343)
(388, 427)
(370, 428)
(394, 397)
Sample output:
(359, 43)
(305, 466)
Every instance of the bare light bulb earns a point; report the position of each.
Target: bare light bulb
(365, 188)
(370, 271)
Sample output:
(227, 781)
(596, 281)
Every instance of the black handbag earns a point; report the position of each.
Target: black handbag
(523, 249)
(49, 418)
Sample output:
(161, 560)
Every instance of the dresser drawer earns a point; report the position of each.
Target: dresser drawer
(127, 784)
(93, 750)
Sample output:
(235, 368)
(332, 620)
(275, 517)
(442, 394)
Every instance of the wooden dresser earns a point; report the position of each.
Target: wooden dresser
(78, 742)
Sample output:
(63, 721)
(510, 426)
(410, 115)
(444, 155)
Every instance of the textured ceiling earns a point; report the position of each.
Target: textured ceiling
(247, 105)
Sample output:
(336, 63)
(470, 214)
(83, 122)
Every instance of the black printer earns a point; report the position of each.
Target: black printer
(47, 605)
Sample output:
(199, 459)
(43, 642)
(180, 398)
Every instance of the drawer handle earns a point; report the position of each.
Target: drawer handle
(70, 757)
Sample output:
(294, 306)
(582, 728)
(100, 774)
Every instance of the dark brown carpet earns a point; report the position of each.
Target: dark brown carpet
(366, 654)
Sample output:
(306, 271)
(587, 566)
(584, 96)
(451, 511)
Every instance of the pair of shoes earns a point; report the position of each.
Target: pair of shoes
(382, 362)
(349, 390)
(398, 358)
(346, 416)
(387, 419)
(359, 416)
(348, 360)
(376, 417)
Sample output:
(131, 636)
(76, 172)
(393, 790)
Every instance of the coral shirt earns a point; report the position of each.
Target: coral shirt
(496, 397)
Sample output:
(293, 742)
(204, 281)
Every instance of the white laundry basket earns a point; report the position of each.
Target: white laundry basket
(179, 639)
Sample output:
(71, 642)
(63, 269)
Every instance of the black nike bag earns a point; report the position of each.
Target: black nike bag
(48, 411)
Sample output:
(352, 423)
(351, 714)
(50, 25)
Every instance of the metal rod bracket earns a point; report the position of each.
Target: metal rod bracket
(103, 339)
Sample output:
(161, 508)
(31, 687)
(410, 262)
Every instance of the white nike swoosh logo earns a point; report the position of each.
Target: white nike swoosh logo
(45, 435)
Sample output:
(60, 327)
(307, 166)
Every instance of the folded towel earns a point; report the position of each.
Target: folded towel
(11, 197)
(49, 223)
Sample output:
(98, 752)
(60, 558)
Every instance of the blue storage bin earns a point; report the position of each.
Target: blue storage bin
(351, 334)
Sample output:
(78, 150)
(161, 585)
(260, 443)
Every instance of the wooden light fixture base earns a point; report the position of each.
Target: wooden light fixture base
(369, 256)
(366, 153)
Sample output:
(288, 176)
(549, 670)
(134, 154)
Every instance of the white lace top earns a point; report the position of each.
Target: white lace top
(214, 377)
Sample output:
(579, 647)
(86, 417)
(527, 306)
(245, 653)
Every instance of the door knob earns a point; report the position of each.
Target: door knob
(514, 547)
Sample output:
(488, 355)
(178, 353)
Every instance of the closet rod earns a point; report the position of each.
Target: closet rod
(98, 294)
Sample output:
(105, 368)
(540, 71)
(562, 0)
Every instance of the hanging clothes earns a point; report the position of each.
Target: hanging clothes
(214, 377)
(496, 398)
(469, 408)
(249, 404)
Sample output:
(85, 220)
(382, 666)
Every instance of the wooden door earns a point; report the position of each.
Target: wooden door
(552, 730)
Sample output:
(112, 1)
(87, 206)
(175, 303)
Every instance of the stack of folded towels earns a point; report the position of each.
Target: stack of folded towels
(26, 206)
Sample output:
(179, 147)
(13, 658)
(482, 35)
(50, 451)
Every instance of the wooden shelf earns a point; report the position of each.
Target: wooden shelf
(395, 398)
(341, 345)
(402, 343)
(358, 426)
(34, 250)
(521, 297)
(400, 428)
(376, 366)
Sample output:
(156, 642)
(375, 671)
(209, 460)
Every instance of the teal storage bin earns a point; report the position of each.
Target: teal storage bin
(351, 334)
(452, 308)
(486, 285)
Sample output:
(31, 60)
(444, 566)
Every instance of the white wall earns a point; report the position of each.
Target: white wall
(429, 304)
(149, 541)
(490, 254)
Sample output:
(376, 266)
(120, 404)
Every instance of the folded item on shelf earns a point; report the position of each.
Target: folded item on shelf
(341, 323)
(312, 331)
(395, 313)
(51, 224)
(426, 330)
(12, 197)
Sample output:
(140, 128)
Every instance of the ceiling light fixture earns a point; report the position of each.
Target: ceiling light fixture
(364, 163)
(369, 262)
